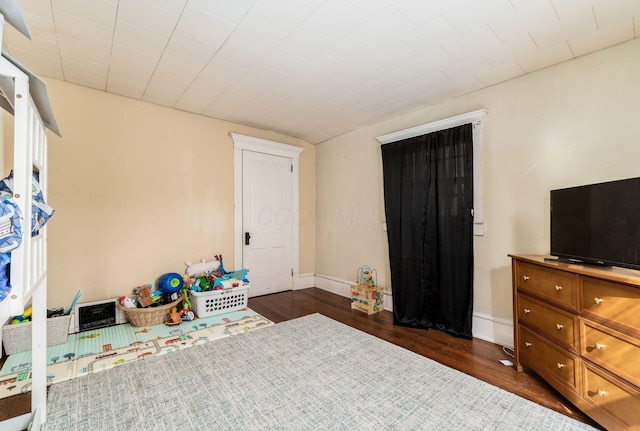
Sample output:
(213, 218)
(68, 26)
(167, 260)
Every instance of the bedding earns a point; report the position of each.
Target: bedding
(40, 211)
(10, 239)
(11, 224)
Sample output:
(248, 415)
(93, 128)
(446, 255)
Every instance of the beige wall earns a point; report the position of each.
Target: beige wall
(570, 124)
(139, 189)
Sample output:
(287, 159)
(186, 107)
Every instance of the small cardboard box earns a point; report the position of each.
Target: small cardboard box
(367, 298)
(17, 338)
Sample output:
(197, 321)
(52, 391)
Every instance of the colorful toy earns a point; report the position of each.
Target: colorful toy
(202, 283)
(366, 276)
(186, 281)
(365, 294)
(73, 303)
(186, 313)
(127, 302)
(156, 295)
(216, 279)
(174, 316)
(240, 274)
(222, 283)
(186, 303)
(170, 282)
(221, 269)
(143, 294)
(24, 317)
(231, 279)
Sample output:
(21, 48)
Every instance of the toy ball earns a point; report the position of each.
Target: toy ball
(170, 282)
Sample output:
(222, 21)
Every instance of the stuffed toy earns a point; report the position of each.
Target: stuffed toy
(202, 267)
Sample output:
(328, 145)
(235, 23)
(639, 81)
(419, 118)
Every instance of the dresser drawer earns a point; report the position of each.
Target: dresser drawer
(555, 285)
(598, 368)
(616, 399)
(613, 351)
(611, 303)
(553, 322)
(547, 358)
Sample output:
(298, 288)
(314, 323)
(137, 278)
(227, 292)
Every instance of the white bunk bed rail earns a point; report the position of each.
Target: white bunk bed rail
(25, 96)
(29, 261)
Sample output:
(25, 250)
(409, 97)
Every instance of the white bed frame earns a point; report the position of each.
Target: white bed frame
(29, 260)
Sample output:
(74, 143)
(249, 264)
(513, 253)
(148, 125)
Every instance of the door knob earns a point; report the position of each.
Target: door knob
(247, 238)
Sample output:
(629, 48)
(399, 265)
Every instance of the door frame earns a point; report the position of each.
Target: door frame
(243, 143)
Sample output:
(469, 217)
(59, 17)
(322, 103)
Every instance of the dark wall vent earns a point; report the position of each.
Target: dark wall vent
(94, 316)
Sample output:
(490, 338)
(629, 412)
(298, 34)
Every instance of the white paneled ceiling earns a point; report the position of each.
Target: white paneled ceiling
(312, 69)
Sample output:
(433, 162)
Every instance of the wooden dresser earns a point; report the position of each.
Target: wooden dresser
(578, 327)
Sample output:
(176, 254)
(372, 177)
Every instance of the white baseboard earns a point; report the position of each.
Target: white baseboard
(493, 329)
(485, 327)
(303, 281)
(333, 285)
(343, 288)
(388, 301)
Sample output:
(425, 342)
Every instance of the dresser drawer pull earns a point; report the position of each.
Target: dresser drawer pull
(527, 311)
(527, 344)
(560, 366)
(559, 326)
(600, 346)
(598, 300)
(558, 288)
(601, 392)
(525, 277)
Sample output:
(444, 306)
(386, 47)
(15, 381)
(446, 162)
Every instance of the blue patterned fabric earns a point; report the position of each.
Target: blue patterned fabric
(10, 239)
(11, 224)
(40, 211)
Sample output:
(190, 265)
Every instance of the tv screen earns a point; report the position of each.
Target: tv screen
(597, 223)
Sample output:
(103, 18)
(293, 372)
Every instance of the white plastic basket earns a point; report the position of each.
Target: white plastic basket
(221, 301)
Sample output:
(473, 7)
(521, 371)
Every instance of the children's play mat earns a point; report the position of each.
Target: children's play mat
(100, 349)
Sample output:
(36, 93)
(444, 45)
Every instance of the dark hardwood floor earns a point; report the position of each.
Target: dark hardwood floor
(475, 357)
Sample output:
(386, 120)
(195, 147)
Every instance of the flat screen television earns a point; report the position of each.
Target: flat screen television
(597, 223)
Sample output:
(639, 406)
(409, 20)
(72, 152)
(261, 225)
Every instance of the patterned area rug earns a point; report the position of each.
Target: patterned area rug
(310, 373)
(101, 349)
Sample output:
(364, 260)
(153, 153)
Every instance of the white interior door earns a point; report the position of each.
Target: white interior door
(267, 222)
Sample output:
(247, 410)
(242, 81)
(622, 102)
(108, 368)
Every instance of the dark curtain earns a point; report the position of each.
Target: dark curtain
(428, 193)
